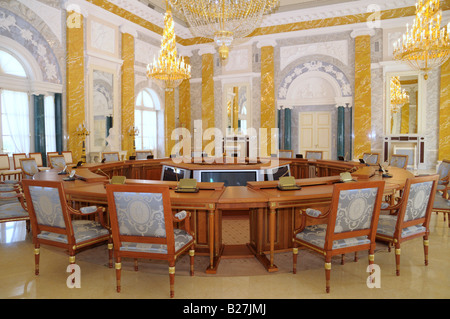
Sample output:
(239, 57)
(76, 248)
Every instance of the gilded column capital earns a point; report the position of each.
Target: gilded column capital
(207, 50)
(266, 43)
(126, 28)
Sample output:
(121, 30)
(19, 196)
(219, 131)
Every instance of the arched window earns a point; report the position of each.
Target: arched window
(9, 65)
(145, 119)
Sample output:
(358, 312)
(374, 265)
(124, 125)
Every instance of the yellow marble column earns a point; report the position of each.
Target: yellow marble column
(169, 121)
(207, 93)
(184, 101)
(75, 80)
(127, 91)
(404, 129)
(236, 108)
(444, 113)
(363, 95)
(268, 109)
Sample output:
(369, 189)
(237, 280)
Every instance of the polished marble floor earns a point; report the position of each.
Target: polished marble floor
(17, 279)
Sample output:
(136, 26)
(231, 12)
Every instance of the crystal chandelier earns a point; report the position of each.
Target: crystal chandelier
(223, 20)
(424, 46)
(399, 97)
(169, 70)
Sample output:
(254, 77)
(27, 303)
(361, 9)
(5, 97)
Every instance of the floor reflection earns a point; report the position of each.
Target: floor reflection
(11, 232)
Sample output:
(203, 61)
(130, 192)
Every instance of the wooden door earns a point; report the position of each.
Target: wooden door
(315, 132)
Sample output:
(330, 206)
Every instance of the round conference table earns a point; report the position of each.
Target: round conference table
(273, 214)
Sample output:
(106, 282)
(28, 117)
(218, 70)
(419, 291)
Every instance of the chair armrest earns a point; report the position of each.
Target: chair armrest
(89, 210)
(183, 216)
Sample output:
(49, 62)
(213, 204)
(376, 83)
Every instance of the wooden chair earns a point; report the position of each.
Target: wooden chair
(52, 223)
(286, 153)
(371, 158)
(313, 154)
(444, 175)
(57, 161)
(50, 154)
(16, 159)
(29, 167)
(68, 157)
(398, 160)
(349, 225)
(7, 174)
(12, 204)
(143, 154)
(442, 205)
(110, 156)
(410, 217)
(151, 234)
(38, 158)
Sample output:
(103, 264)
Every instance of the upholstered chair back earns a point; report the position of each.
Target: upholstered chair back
(313, 155)
(38, 158)
(111, 157)
(443, 170)
(399, 161)
(57, 161)
(4, 162)
(355, 209)
(142, 154)
(16, 158)
(285, 153)
(140, 214)
(29, 167)
(371, 158)
(47, 206)
(418, 200)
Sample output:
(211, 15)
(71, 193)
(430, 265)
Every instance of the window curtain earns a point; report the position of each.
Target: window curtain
(15, 121)
(39, 125)
(50, 128)
(58, 122)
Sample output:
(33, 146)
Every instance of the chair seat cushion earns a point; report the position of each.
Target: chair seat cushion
(83, 229)
(386, 226)
(441, 203)
(315, 235)
(12, 210)
(181, 239)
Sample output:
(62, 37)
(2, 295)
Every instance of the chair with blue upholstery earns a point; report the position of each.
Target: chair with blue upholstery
(110, 156)
(410, 217)
(442, 205)
(12, 204)
(371, 158)
(142, 224)
(285, 153)
(143, 154)
(29, 167)
(399, 160)
(349, 224)
(57, 161)
(53, 222)
(444, 175)
(314, 155)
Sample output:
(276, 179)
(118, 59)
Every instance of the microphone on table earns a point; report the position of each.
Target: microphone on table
(99, 170)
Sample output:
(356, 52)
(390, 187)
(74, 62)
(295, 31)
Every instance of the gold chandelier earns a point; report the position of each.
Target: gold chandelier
(169, 70)
(399, 97)
(424, 46)
(223, 20)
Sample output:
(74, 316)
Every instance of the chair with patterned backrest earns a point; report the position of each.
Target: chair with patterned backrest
(143, 154)
(29, 167)
(110, 156)
(399, 160)
(410, 217)
(16, 159)
(52, 221)
(12, 204)
(57, 161)
(444, 175)
(142, 224)
(8, 174)
(38, 158)
(313, 154)
(68, 157)
(349, 224)
(442, 205)
(286, 153)
(371, 158)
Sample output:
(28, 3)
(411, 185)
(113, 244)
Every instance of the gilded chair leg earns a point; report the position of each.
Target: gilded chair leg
(36, 259)
(110, 254)
(136, 268)
(397, 259)
(327, 273)
(118, 273)
(294, 259)
(425, 249)
(172, 278)
(371, 261)
(191, 256)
